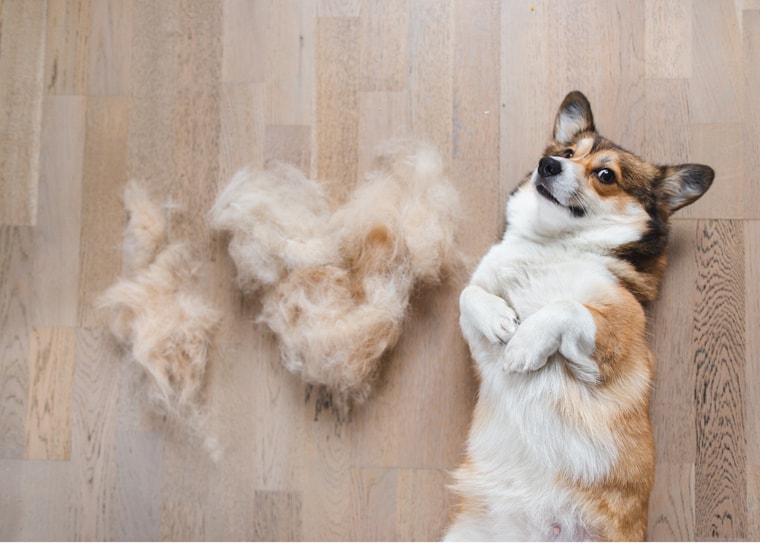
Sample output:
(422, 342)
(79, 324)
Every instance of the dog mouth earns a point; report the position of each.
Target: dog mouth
(576, 211)
(543, 191)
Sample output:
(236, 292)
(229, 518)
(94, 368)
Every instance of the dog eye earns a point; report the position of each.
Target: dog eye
(606, 176)
(569, 153)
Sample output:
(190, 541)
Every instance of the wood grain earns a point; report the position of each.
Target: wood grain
(15, 324)
(66, 47)
(278, 516)
(423, 504)
(51, 370)
(668, 39)
(59, 212)
(720, 476)
(180, 94)
(430, 69)
(751, 109)
(673, 501)
(671, 321)
(383, 45)
(109, 59)
(374, 506)
(104, 175)
(292, 64)
(93, 410)
(22, 57)
(337, 66)
(716, 90)
(475, 134)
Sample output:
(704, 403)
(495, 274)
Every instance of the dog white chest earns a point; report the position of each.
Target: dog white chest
(530, 275)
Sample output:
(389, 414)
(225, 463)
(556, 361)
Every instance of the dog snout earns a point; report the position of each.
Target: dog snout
(549, 167)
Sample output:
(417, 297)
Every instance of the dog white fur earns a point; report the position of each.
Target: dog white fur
(560, 446)
(335, 287)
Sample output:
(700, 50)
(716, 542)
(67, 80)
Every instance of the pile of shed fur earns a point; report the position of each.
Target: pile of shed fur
(334, 285)
(156, 312)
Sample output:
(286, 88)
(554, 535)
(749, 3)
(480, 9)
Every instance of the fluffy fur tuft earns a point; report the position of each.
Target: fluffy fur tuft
(155, 312)
(269, 239)
(337, 287)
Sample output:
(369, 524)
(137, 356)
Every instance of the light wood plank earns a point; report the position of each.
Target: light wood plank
(430, 72)
(52, 356)
(15, 324)
(22, 54)
(668, 39)
(672, 501)
(280, 418)
(476, 75)
(48, 504)
(437, 373)
(716, 89)
(292, 65)
(671, 324)
(382, 116)
(242, 131)
(66, 46)
(246, 40)
(93, 435)
(383, 45)
(753, 501)
(751, 108)
(136, 511)
(668, 122)
(423, 504)
(59, 217)
(339, 8)
(11, 502)
(327, 461)
(109, 59)
(104, 175)
(289, 143)
(337, 120)
(374, 494)
(726, 159)
(278, 516)
(752, 373)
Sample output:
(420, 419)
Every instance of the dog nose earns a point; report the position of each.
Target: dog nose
(549, 167)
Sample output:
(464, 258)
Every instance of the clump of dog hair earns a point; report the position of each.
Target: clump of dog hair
(156, 314)
(339, 306)
(270, 239)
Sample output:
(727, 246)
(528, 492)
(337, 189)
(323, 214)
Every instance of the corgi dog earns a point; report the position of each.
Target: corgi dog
(560, 446)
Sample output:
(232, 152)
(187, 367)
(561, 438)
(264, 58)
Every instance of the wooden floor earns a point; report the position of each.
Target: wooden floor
(182, 93)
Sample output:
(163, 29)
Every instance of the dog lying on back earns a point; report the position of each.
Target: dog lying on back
(561, 445)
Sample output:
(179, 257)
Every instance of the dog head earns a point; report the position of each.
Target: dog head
(585, 185)
(587, 174)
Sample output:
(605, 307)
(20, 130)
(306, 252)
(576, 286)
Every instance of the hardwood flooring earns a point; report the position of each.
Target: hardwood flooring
(182, 93)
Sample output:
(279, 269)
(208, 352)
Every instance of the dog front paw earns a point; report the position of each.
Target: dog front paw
(534, 342)
(487, 314)
(527, 352)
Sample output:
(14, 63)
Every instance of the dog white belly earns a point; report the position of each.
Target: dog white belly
(525, 501)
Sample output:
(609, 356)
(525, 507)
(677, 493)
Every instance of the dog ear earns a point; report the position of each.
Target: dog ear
(682, 185)
(574, 116)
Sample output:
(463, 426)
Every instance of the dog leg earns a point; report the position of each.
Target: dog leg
(564, 327)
